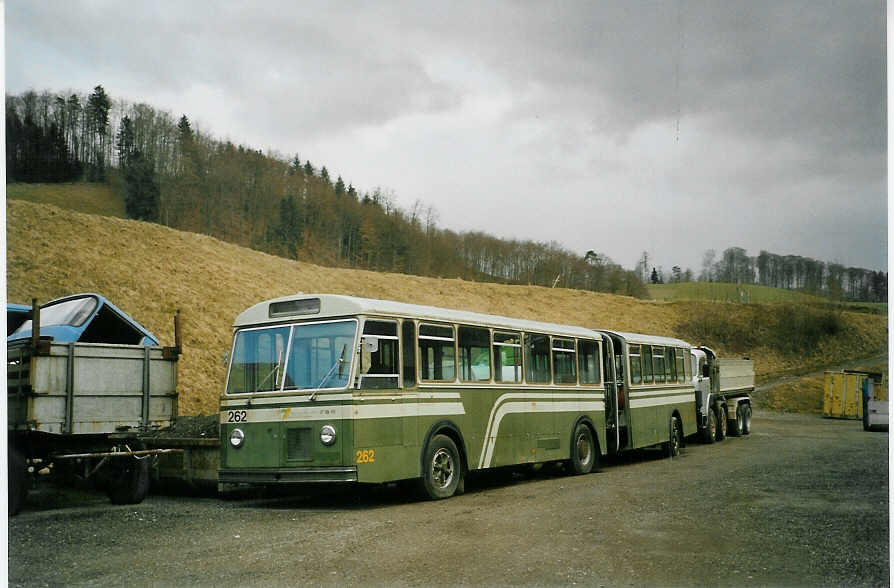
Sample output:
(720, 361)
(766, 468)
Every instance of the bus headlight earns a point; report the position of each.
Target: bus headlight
(327, 435)
(236, 438)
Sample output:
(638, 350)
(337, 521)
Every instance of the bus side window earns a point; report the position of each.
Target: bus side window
(658, 363)
(636, 374)
(588, 358)
(670, 365)
(564, 361)
(681, 366)
(537, 364)
(437, 353)
(647, 364)
(507, 357)
(379, 367)
(474, 354)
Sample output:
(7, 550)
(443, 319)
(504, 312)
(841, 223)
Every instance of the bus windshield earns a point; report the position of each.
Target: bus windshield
(303, 357)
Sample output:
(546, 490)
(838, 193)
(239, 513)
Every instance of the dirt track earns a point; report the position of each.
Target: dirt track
(801, 501)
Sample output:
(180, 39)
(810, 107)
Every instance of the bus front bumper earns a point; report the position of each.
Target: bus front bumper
(286, 475)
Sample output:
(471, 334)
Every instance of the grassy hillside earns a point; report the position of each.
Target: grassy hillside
(719, 292)
(150, 271)
(83, 197)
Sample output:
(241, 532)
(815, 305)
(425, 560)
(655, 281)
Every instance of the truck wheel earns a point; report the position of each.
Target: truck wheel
(709, 433)
(442, 468)
(746, 420)
(737, 430)
(18, 481)
(721, 422)
(675, 438)
(129, 478)
(583, 450)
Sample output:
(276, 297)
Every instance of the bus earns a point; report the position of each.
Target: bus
(331, 388)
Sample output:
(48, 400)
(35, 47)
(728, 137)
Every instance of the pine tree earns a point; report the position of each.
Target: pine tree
(141, 200)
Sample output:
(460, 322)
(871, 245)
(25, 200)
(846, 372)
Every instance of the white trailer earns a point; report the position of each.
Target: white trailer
(78, 409)
(723, 394)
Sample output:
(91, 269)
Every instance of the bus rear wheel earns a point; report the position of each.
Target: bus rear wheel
(675, 438)
(583, 450)
(442, 468)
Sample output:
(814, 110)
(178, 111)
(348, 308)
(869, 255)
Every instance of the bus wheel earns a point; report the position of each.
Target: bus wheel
(721, 422)
(18, 481)
(746, 419)
(740, 416)
(583, 450)
(709, 433)
(442, 468)
(675, 438)
(129, 478)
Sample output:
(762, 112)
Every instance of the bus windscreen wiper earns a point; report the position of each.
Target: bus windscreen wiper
(337, 364)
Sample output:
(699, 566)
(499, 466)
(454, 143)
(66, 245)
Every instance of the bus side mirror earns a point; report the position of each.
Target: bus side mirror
(369, 344)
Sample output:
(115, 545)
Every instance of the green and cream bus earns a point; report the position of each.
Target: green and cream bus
(329, 388)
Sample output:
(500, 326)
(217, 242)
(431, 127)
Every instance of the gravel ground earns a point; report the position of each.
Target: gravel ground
(802, 501)
(187, 426)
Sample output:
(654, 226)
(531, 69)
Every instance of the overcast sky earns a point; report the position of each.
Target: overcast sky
(671, 127)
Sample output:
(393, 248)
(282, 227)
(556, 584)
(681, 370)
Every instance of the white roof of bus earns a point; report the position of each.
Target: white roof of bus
(637, 338)
(335, 305)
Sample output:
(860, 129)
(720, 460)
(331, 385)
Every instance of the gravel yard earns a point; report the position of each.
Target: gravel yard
(802, 501)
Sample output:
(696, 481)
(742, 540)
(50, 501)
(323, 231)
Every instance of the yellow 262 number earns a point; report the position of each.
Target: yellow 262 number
(366, 455)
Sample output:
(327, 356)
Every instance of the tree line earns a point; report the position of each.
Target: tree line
(791, 272)
(171, 172)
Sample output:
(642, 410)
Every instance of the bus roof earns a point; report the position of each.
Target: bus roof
(334, 305)
(638, 338)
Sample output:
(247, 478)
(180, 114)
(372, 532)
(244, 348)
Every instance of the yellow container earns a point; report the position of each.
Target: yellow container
(843, 397)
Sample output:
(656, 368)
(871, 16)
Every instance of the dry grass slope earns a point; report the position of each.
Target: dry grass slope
(150, 271)
(86, 197)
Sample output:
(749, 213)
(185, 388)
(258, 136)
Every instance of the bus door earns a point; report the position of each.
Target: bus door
(616, 420)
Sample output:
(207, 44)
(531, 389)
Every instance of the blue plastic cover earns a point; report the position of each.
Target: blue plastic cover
(85, 318)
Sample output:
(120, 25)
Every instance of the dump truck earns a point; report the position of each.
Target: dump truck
(84, 382)
(723, 388)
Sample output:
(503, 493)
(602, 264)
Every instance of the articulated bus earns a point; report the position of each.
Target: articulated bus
(329, 388)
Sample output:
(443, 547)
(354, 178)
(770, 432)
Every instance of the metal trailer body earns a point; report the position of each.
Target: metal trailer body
(723, 393)
(89, 388)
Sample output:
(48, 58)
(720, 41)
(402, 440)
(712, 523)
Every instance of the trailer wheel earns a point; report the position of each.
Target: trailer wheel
(746, 420)
(129, 477)
(709, 432)
(740, 417)
(721, 422)
(583, 450)
(18, 481)
(442, 468)
(675, 438)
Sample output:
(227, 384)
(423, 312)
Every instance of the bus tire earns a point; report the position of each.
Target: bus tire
(740, 416)
(721, 422)
(442, 468)
(709, 432)
(583, 450)
(18, 481)
(746, 419)
(129, 478)
(675, 438)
